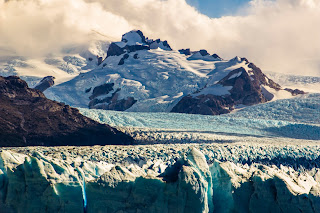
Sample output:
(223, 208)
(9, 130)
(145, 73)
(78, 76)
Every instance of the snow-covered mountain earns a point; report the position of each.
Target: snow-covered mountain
(149, 76)
(142, 74)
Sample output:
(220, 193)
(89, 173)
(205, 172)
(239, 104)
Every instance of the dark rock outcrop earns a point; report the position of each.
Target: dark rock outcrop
(216, 56)
(125, 56)
(136, 56)
(158, 43)
(204, 105)
(28, 118)
(165, 44)
(200, 55)
(115, 50)
(101, 90)
(203, 52)
(295, 92)
(99, 60)
(244, 91)
(261, 78)
(112, 101)
(185, 51)
(45, 83)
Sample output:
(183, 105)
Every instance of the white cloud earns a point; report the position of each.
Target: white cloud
(39, 27)
(281, 35)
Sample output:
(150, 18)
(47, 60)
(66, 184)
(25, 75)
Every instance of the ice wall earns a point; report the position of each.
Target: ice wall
(38, 183)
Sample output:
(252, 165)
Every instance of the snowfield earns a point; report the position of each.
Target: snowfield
(157, 80)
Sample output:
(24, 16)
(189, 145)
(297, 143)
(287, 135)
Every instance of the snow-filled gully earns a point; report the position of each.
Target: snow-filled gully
(39, 183)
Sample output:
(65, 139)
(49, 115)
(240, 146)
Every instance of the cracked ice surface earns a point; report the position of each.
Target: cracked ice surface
(228, 177)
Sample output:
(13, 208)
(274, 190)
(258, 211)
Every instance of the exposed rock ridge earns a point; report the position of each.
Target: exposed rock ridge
(103, 98)
(200, 55)
(28, 118)
(45, 83)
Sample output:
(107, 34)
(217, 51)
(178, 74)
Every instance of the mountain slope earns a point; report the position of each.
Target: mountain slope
(28, 118)
(234, 83)
(154, 79)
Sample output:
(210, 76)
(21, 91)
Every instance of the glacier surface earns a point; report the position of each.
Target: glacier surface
(297, 118)
(157, 178)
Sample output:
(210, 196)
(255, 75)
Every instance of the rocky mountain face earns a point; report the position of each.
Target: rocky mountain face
(111, 101)
(246, 85)
(28, 118)
(45, 83)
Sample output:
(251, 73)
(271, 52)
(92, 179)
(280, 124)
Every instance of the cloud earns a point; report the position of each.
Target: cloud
(280, 35)
(40, 27)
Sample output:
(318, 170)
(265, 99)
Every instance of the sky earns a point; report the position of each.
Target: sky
(219, 8)
(277, 35)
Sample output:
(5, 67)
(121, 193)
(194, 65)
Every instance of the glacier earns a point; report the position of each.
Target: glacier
(239, 162)
(157, 178)
(296, 118)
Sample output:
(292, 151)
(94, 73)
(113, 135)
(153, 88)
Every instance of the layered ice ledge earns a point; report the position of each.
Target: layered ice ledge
(154, 179)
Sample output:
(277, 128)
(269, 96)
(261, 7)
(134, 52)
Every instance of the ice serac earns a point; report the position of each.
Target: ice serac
(37, 183)
(186, 187)
(235, 83)
(262, 189)
(29, 118)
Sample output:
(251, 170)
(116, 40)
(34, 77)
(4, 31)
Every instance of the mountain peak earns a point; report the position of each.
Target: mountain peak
(133, 37)
(200, 55)
(134, 41)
